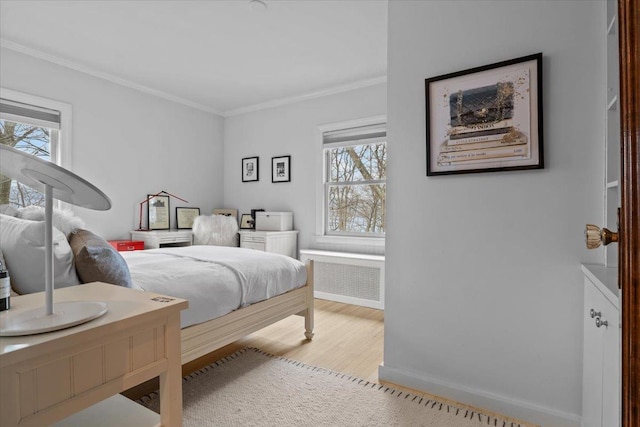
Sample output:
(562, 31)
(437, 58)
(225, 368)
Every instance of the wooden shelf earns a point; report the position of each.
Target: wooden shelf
(114, 411)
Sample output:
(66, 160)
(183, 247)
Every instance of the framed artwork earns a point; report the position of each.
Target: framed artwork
(281, 169)
(227, 212)
(158, 215)
(246, 222)
(185, 217)
(250, 169)
(486, 119)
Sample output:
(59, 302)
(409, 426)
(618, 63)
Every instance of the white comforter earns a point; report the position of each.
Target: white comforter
(214, 279)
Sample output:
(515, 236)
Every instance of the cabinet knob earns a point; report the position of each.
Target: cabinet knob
(600, 323)
(594, 313)
(596, 236)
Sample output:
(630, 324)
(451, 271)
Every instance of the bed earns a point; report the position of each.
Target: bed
(232, 291)
(268, 287)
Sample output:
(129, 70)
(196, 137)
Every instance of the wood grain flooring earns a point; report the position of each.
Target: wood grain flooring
(347, 339)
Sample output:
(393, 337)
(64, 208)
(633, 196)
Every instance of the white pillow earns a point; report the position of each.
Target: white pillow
(22, 244)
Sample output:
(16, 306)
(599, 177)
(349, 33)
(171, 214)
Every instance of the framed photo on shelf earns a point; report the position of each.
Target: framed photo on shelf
(246, 222)
(281, 169)
(185, 217)
(250, 171)
(158, 214)
(485, 119)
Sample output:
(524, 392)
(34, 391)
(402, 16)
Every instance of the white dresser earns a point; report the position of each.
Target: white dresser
(278, 242)
(154, 239)
(601, 359)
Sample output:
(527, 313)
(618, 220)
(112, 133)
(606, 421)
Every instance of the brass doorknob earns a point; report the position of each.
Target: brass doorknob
(596, 236)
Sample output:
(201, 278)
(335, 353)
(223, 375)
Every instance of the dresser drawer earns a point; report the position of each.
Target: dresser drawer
(127, 245)
(252, 239)
(253, 245)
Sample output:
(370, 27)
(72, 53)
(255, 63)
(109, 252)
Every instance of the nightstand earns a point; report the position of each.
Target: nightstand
(72, 377)
(278, 242)
(154, 239)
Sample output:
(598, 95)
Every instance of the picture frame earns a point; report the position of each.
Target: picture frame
(281, 169)
(246, 222)
(250, 169)
(185, 217)
(485, 119)
(158, 213)
(227, 212)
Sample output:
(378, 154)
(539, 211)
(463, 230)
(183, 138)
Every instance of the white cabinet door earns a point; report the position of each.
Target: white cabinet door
(610, 365)
(601, 363)
(592, 361)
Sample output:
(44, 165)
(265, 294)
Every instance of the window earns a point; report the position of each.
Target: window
(354, 196)
(33, 125)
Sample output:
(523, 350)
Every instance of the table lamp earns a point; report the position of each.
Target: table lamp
(59, 183)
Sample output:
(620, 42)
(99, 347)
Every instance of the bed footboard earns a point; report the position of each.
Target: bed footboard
(199, 340)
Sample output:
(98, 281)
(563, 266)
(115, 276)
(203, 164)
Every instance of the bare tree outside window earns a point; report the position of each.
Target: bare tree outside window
(34, 140)
(356, 189)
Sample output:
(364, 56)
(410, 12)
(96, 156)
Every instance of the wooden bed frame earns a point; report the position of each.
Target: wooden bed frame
(201, 339)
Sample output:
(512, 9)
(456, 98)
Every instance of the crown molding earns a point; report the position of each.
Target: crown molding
(304, 97)
(17, 47)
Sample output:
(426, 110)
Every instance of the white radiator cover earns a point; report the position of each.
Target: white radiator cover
(347, 277)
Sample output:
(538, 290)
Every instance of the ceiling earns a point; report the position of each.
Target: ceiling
(220, 56)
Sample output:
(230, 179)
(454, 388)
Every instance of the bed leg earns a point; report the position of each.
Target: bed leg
(308, 316)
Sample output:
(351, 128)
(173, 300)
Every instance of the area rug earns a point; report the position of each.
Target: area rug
(254, 388)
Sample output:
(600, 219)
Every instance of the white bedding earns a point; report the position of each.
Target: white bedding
(214, 279)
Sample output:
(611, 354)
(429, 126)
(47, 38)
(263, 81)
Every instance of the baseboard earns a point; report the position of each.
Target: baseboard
(525, 411)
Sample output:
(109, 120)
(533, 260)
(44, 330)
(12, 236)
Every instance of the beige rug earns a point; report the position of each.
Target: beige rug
(254, 388)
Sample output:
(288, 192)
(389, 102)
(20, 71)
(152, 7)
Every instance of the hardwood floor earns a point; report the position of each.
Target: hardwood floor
(347, 339)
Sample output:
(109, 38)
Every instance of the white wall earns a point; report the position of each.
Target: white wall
(127, 143)
(484, 295)
(289, 130)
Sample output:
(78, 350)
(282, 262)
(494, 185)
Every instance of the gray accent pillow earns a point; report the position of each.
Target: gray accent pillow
(97, 261)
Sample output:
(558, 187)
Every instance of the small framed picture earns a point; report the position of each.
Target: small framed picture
(281, 169)
(158, 214)
(250, 169)
(185, 217)
(486, 119)
(246, 222)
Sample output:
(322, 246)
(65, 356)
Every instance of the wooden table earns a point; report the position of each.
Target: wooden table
(47, 378)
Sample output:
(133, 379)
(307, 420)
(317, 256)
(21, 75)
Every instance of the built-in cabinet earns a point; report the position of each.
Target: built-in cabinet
(601, 360)
(612, 127)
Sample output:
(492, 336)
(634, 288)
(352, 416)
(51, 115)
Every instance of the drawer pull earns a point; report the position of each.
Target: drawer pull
(594, 313)
(600, 323)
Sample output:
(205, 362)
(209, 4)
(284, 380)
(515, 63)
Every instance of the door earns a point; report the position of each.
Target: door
(629, 245)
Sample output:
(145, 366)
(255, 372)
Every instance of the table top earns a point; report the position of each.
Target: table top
(122, 303)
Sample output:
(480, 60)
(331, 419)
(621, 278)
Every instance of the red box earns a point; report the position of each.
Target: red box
(127, 245)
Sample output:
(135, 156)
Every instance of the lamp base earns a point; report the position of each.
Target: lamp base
(36, 321)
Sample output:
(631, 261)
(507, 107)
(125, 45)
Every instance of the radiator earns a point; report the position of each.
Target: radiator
(346, 277)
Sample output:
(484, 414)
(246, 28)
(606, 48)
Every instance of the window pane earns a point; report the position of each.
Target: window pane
(34, 140)
(358, 208)
(358, 163)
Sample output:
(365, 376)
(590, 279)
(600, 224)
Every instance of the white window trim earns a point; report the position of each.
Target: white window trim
(320, 238)
(64, 149)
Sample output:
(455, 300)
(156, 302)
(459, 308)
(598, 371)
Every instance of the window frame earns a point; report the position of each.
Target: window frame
(372, 241)
(60, 147)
